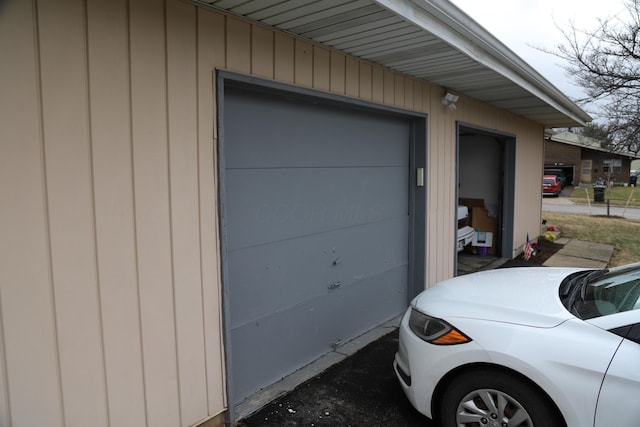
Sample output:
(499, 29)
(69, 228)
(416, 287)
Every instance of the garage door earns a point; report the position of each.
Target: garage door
(315, 222)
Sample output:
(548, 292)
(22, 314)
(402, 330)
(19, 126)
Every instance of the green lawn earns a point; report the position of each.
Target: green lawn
(620, 232)
(618, 196)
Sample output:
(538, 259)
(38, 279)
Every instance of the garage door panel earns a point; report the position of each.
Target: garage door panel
(292, 272)
(288, 341)
(315, 219)
(290, 203)
(301, 134)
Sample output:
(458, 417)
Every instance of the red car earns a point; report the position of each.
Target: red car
(550, 185)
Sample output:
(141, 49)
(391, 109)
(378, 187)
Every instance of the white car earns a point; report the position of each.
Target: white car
(535, 346)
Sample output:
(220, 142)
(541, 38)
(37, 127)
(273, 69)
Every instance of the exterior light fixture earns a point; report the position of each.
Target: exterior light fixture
(449, 100)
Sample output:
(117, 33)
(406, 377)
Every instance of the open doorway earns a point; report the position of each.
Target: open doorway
(486, 176)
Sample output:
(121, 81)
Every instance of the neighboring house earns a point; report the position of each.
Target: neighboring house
(583, 160)
(198, 201)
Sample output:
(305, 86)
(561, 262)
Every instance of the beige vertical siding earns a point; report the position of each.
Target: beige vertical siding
(529, 166)
(321, 69)
(185, 231)
(262, 52)
(115, 209)
(210, 56)
(70, 209)
(152, 211)
(109, 265)
(30, 371)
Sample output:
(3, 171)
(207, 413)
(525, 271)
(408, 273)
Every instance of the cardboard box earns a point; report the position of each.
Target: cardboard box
(481, 220)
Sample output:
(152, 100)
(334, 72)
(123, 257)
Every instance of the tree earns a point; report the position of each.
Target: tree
(606, 63)
(599, 133)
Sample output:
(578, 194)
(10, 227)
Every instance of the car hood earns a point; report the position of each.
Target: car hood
(525, 296)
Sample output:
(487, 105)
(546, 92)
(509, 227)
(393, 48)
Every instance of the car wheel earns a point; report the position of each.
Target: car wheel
(495, 399)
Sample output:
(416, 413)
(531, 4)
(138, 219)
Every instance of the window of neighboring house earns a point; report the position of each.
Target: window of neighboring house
(586, 167)
(612, 166)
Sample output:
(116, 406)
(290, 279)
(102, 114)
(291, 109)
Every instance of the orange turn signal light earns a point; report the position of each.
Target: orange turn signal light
(451, 337)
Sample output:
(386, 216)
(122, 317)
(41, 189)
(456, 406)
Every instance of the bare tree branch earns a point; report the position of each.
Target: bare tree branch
(605, 61)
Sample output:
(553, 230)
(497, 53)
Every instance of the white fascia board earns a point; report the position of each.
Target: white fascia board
(450, 24)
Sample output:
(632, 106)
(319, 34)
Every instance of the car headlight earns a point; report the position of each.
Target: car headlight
(435, 331)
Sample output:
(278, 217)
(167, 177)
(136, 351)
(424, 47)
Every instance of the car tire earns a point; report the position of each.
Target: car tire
(494, 398)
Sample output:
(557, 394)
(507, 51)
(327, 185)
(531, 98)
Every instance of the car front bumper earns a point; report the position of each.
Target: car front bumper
(419, 366)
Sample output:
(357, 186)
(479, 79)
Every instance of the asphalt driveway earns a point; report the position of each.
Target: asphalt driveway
(362, 390)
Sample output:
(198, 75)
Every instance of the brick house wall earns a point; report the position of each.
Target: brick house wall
(597, 162)
(564, 156)
(571, 159)
(558, 153)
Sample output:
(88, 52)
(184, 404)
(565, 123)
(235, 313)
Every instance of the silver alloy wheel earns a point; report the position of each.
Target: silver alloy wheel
(491, 408)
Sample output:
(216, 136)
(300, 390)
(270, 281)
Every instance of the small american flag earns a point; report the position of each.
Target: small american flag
(528, 249)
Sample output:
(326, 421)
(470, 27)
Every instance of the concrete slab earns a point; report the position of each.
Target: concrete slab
(315, 368)
(362, 390)
(352, 347)
(560, 260)
(588, 250)
(287, 384)
(471, 263)
(578, 253)
(562, 241)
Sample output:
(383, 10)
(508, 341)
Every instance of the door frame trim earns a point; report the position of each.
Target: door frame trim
(507, 190)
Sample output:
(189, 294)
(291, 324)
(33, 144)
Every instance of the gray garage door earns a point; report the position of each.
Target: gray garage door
(315, 220)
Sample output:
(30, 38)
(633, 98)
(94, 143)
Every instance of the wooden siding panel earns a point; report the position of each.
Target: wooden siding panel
(377, 83)
(426, 99)
(151, 189)
(366, 73)
(71, 215)
(284, 58)
(238, 45)
(321, 68)
(438, 251)
(398, 90)
(303, 75)
(337, 73)
(30, 393)
(418, 93)
(409, 92)
(448, 175)
(448, 183)
(210, 56)
(529, 163)
(439, 169)
(352, 74)
(185, 231)
(115, 228)
(262, 55)
(212, 47)
(388, 88)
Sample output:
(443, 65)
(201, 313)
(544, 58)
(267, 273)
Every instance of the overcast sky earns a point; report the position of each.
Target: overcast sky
(523, 25)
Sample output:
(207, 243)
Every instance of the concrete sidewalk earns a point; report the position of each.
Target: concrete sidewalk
(578, 253)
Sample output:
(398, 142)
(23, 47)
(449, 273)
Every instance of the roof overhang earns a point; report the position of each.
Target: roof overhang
(587, 143)
(431, 40)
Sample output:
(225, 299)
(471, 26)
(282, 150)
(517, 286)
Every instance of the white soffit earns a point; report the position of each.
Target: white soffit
(431, 40)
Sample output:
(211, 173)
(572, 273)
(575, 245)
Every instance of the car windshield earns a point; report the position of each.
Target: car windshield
(549, 181)
(594, 293)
